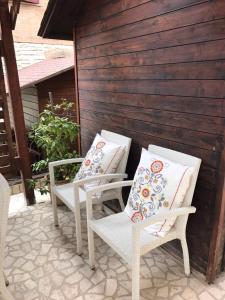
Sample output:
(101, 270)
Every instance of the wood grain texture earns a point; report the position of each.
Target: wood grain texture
(16, 100)
(8, 153)
(196, 33)
(187, 16)
(203, 51)
(129, 12)
(154, 71)
(61, 87)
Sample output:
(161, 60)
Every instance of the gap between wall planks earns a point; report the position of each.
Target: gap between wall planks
(77, 90)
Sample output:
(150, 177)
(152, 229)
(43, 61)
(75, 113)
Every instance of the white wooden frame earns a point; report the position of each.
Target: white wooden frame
(4, 207)
(77, 186)
(137, 229)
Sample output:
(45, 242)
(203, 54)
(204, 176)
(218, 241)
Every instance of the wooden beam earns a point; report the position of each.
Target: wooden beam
(76, 87)
(15, 8)
(6, 118)
(215, 259)
(1, 49)
(15, 95)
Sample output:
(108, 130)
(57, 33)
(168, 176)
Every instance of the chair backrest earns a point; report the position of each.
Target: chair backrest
(183, 159)
(120, 140)
(4, 208)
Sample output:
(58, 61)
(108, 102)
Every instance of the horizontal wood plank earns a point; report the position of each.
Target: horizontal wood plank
(3, 149)
(112, 8)
(191, 88)
(89, 128)
(138, 13)
(198, 70)
(2, 126)
(203, 12)
(3, 138)
(208, 124)
(6, 170)
(190, 137)
(4, 160)
(203, 106)
(205, 51)
(197, 33)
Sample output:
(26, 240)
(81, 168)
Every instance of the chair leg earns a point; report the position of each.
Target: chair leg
(6, 280)
(185, 256)
(91, 248)
(102, 207)
(136, 277)
(55, 213)
(120, 198)
(78, 230)
(4, 293)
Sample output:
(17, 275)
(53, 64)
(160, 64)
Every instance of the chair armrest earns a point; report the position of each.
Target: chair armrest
(109, 186)
(166, 215)
(57, 163)
(65, 162)
(100, 177)
(103, 188)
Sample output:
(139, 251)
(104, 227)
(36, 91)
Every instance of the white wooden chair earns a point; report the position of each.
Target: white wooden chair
(130, 240)
(4, 207)
(74, 195)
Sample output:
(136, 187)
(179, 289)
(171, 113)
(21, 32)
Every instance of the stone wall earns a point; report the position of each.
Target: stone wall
(31, 53)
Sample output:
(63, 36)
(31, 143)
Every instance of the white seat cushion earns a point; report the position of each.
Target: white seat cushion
(116, 231)
(65, 192)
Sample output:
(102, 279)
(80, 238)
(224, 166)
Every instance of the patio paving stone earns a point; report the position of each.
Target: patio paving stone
(42, 264)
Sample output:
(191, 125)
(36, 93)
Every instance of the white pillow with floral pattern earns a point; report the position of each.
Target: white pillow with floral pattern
(159, 185)
(102, 158)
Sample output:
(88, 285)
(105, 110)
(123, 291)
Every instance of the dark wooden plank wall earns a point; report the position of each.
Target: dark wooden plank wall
(154, 71)
(61, 86)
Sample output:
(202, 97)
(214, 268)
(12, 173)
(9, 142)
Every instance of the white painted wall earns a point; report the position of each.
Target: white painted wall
(28, 54)
(30, 106)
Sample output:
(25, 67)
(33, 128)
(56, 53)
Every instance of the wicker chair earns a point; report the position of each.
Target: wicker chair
(74, 196)
(129, 239)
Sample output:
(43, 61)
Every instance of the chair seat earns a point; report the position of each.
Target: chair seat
(116, 231)
(65, 193)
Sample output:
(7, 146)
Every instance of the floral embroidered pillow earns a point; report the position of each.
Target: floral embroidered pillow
(159, 185)
(102, 158)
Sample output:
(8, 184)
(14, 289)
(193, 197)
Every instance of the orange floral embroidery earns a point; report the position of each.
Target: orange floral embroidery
(87, 162)
(137, 217)
(100, 145)
(157, 166)
(145, 193)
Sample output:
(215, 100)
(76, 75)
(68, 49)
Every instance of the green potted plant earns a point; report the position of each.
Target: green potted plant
(55, 135)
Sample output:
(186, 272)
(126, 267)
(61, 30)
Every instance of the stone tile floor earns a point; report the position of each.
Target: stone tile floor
(41, 264)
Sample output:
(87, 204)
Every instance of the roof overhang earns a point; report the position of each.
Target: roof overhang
(39, 72)
(59, 19)
(35, 82)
